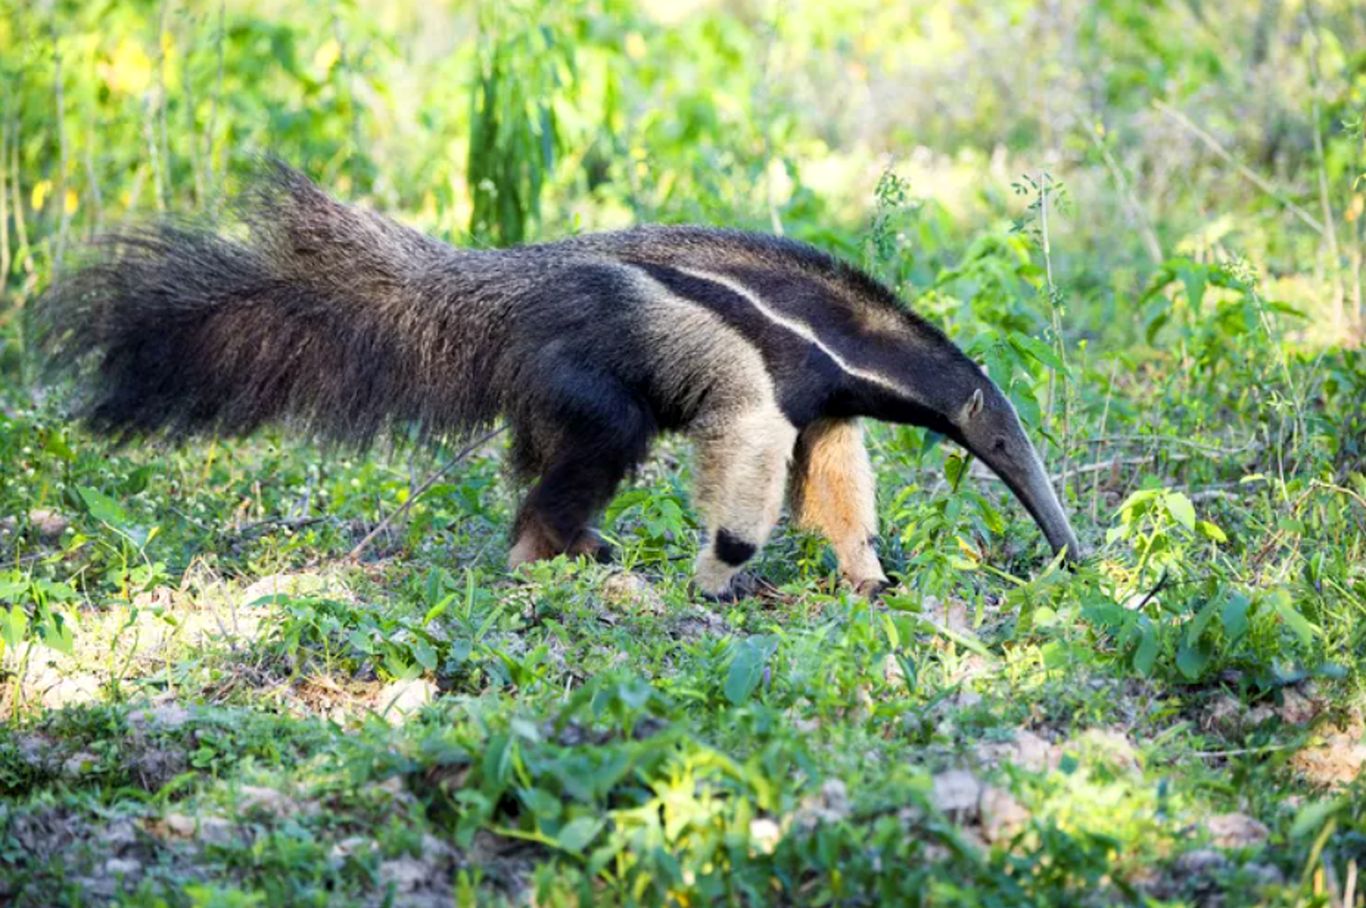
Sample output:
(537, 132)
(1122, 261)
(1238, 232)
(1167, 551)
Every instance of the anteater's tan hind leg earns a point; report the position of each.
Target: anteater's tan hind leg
(741, 474)
(833, 493)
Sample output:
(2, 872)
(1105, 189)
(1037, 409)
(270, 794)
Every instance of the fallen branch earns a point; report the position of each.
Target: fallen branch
(1172, 440)
(1244, 171)
(422, 489)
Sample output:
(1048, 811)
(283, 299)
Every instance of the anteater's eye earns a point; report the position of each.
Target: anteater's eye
(999, 445)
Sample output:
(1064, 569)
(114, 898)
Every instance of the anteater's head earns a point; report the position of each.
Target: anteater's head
(987, 425)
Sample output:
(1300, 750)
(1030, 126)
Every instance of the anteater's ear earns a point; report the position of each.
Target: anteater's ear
(972, 407)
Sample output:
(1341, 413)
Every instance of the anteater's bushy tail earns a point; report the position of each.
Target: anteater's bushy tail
(308, 311)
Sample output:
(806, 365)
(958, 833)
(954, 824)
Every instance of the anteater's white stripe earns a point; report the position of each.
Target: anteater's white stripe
(802, 330)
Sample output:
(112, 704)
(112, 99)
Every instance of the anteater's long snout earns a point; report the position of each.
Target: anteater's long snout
(1035, 490)
(1026, 477)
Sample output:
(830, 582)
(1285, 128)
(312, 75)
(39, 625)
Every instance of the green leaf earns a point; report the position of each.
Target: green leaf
(13, 624)
(954, 465)
(1234, 614)
(1312, 816)
(1302, 626)
(1196, 629)
(747, 668)
(1033, 347)
(577, 834)
(102, 507)
(1145, 656)
(424, 654)
(1195, 286)
(1210, 531)
(1181, 509)
(541, 803)
(1192, 657)
(56, 632)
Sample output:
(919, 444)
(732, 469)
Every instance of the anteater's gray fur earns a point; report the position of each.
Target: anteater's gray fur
(333, 318)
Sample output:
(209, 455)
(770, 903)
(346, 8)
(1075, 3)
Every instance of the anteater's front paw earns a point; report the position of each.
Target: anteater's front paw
(591, 543)
(741, 586)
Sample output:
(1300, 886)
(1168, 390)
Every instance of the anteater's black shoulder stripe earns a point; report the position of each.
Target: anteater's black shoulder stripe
(804, 377)
(785, 252)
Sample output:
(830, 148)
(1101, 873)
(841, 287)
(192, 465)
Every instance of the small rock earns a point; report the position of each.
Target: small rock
(1031, 751)
(266, 800)
(952, 615)
(392, 785)
(1236, 830)
(628, 591)
(164, 717)
(80, 763)
(967, 698)
(179, 825)
(350, 846)
(1224, 714)
(401, 699)
(434, 849)
(1110, 744)
(71, 690)
(405, 874)
(216, 831)
(829, 805)
(291, 585)
(125, 867)
(118, 835)
(1002, 814)
(37, 751)
(697, 622)
(1338, 760)
(1200, 862)
(765, 834)
(956, 791)
(1264, 874)
(1296, 708)
(47, 525)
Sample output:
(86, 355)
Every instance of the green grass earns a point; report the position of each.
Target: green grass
(201, 692)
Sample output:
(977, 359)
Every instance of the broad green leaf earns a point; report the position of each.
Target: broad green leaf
(1181, 509)
(103, 508)
(1145, 656)
(1033, 347)
(1192, 657)
(747, 668)
(577, 834)
(424, 654)
(13, 624)
(56, 632)
(1312, 816)
(1302, 626)
(1234, 614)
(543, 804)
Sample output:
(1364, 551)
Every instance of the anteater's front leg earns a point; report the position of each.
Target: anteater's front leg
(833, 493)
(741, 473)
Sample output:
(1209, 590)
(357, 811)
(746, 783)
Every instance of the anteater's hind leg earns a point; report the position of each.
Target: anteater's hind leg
(833, 493)
(741, 474)
(596, 434)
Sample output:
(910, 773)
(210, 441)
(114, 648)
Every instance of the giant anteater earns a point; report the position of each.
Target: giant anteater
(766, 352)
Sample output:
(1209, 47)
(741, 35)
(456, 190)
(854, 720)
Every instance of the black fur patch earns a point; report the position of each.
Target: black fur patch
(805, 379)
(731, 549)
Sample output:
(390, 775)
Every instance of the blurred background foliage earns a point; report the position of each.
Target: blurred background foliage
(1179, 128)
